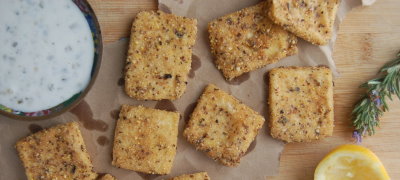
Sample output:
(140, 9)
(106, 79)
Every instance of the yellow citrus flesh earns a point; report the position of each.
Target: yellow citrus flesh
(350, 162)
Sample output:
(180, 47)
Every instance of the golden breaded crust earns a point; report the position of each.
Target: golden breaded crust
(195, 176)
(300, 103)
(222, 126)
(311, 20)
(159, 56)
(107, 177)
(56, 153)
(145, 139)
(247, 40)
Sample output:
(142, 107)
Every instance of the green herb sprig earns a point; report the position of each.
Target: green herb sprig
(371, 107)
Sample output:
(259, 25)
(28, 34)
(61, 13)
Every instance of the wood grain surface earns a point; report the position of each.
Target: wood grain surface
(368, 38)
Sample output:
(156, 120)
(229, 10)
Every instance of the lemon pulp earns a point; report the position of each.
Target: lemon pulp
(350, 162)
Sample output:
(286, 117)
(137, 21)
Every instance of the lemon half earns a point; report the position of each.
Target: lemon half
(350, 162)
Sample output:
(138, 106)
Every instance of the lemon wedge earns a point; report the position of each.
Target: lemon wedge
(350, 162)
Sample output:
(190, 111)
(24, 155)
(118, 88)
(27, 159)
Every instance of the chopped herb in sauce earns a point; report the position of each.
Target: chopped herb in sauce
(43, 62)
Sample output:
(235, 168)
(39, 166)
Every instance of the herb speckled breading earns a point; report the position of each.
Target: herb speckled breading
(301, 103)
(222, 126)
(195, 176)
(247, 40)
(159, 55)
(311, 20)
(145, 139)
(56, 153)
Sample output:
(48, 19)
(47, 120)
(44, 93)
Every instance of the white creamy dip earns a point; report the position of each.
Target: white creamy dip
(46, 53)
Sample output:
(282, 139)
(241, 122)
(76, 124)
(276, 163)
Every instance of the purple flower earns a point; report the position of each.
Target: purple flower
(357, 136)
(376, 99)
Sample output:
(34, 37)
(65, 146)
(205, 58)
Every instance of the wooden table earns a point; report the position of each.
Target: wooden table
(368, 37)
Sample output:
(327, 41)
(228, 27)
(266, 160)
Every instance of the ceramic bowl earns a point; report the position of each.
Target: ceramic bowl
(67, 105)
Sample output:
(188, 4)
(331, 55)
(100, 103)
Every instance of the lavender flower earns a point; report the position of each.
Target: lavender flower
(357, 136)
(376, 99)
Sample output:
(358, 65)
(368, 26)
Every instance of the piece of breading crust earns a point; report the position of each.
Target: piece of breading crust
(222, 126)
(56, 153)
(311, 20)
(145, 139)
(159, 56)
(301, 103)
(247, 40)
(195, 176)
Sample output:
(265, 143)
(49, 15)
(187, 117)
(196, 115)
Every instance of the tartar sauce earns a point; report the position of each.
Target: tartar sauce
(46, 53)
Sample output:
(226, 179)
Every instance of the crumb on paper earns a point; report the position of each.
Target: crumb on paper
(107, 177)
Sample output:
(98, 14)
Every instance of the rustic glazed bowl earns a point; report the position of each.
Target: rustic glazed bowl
(67, 105)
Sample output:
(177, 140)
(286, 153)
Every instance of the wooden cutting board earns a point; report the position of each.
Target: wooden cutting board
(368, 37)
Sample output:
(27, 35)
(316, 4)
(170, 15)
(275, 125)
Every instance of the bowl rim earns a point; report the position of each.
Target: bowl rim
(82, 94)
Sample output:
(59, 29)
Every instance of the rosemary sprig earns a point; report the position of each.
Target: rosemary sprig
(371, 107)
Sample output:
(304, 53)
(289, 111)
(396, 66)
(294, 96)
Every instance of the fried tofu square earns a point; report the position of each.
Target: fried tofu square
(107, 177)
(301, 103)
(159, 56)
(145, 139)
(56, 153)
(247, 40)
(222, 126)
(311, 20)
(195, 176)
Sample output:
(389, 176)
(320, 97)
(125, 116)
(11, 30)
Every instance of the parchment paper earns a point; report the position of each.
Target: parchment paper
(98, 112)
